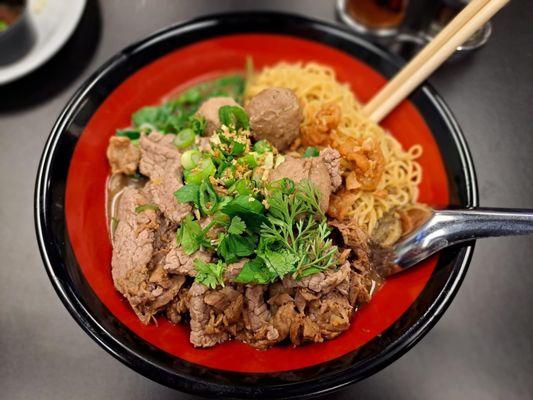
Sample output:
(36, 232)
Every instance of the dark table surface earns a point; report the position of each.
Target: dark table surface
(481, 349)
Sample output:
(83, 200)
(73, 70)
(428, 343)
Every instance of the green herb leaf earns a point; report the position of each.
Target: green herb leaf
(191, 96)
(242, 187)
(237, 226)
(209, 274)
(249, 160)
(248, 208)
(144, 207)
(188, 194)
(243, 204)
(279, 262)
(309, 271)
(255, 272)
(222, 202)
(191, 236)
(233, 247)
(132, 134)
(197, 123)
(150, 115)
(311, 152)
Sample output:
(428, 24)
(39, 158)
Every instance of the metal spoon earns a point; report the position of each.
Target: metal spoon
(448, 227)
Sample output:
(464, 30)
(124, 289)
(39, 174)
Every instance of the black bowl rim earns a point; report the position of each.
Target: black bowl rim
(392, 352)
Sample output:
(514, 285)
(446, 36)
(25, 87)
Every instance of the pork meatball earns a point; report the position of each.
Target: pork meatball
(314, 169)
(275, 115)
(209, 110)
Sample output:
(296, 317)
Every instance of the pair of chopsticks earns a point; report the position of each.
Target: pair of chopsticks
(457, 32)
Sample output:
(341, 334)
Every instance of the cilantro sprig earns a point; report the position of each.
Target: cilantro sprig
(191, 237)
(209, 274)
(294, 239)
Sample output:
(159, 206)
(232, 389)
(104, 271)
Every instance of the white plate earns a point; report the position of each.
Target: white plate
(53, 21)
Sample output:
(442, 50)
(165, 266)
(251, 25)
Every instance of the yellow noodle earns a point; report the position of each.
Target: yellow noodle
(316, 86)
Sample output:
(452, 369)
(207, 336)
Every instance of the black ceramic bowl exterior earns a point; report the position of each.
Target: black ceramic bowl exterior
(111, 334)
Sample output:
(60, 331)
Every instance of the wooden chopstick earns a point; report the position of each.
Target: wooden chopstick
(473, 17)
(445, 34)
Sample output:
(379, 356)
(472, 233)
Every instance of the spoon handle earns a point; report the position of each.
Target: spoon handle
(449, 227)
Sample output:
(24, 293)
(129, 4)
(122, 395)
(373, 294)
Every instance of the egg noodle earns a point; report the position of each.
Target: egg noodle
(397, 176)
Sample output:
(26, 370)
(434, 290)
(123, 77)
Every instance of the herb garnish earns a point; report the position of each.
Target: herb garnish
(178, 114)
(294, 239)
(209, 274)
(280, 226)
(311, 152)
(191, 237)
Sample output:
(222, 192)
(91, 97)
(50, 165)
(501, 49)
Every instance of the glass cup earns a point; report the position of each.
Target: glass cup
(405, 26)
(376, 17)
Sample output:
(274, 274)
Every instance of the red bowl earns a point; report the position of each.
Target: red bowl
(72, 229)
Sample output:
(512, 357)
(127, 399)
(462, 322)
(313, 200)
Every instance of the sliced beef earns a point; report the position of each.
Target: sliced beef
(331, 314)
(216, 315)
(133, 245)
(289, 317)
(178, 307)
(287, 321)
(322, 282)
(314, 169)
(259, 331)
(256, 308)
(165, 241)
(363, 261)
(360, 288)
(332, 160)
(144, 284)
(229, 302)
(207, 327)
(123, 155)
(164, 288)
(310, 331)
(160, 161)
(177, 262)
(304, 295)
(354, 238)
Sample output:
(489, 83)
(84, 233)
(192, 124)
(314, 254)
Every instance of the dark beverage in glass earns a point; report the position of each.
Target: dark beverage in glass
(378, 14)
